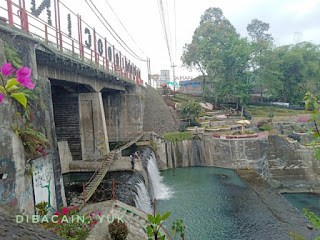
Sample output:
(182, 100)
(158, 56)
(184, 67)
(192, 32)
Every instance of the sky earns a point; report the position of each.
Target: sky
(141, 18)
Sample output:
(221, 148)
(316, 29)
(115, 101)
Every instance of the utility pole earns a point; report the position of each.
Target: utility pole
(174, 79)
(149, 71)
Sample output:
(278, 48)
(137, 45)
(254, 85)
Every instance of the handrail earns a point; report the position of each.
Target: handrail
(60, 38)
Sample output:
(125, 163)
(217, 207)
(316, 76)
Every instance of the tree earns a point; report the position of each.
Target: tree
(292, 70)
(218, 49)
(190, 110)
(261, 47)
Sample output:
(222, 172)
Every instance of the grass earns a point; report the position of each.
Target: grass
(265, 111)
(177, 136)
(181, 98)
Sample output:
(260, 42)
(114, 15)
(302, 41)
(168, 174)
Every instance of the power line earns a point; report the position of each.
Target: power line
(133, 54)
(175, 29)
(124, 27)
(163, 23)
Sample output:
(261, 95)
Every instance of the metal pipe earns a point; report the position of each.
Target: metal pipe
(95, 46)
(60, 34)
(10, 14)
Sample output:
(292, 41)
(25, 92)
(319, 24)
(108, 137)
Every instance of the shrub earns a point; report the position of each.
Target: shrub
(265, 127)
(118, 230)
(177, 136)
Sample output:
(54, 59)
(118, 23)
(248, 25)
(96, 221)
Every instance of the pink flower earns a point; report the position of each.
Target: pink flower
(91, 215)
(71, 233)
(99, 214)
(7, 69)
(57, 213)
(74, 208)
(59, 221)
(1, 97)
(65, 211)
(95, 221)
(84, 226)
(23, 77)
(90, 225)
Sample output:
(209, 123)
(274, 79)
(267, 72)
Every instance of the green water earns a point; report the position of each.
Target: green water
(304, 200)
(215, 204)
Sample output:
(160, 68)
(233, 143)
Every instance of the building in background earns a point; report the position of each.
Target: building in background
(194, 86)
(164, 77)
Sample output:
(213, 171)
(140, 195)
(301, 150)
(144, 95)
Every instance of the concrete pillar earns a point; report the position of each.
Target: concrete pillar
(94, 137)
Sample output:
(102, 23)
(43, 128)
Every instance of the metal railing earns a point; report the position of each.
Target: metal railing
(103, 56)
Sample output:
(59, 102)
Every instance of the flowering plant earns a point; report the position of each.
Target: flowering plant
(67, 225)
(12, 86)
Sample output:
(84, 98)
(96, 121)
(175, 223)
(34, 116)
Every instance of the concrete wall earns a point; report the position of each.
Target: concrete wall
(93, 126)
(124, 112)
(209, 151)
(12, 152)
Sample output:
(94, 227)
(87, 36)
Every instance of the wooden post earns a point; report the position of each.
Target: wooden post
(113, 190)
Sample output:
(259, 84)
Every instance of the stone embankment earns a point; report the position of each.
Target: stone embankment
(289, 218)
(158, 117)
(290, 167)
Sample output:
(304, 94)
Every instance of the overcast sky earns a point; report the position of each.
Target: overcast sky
(142, 20)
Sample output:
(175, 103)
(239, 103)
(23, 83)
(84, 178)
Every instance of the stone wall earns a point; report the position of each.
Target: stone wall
(17, 187)
(288, 166)
(292, 166)
(209, 151)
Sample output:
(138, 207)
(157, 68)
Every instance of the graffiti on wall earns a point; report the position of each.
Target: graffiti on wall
(43, 182)
(7, 182)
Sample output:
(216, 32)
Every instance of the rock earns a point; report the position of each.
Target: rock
(310, 226)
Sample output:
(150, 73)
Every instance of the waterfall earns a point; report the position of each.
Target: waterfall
(158, 188)
(142, 200)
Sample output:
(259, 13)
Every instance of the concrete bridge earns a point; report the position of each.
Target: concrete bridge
(82, 105)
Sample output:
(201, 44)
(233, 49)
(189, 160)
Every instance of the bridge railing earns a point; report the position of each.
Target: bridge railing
(81, 41)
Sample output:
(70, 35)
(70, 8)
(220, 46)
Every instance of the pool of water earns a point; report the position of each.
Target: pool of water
(214, 203)
(304, 200)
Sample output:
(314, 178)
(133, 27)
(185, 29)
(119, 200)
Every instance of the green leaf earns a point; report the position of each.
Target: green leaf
(314, 117)
(316, 134)
(318, 154)
(158, 219)
(21, 98)
(165, 216)
(2, 89)
(149, 231)
(11, 82)
(13, 88)
(151, 218)
(162, 237)
(307, 104)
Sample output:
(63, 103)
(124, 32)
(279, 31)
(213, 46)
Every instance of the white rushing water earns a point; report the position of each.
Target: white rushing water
(158, 188)
(142, 199)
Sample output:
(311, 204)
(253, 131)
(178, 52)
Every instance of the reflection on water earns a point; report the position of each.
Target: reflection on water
(215, 204)
(304, 200)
